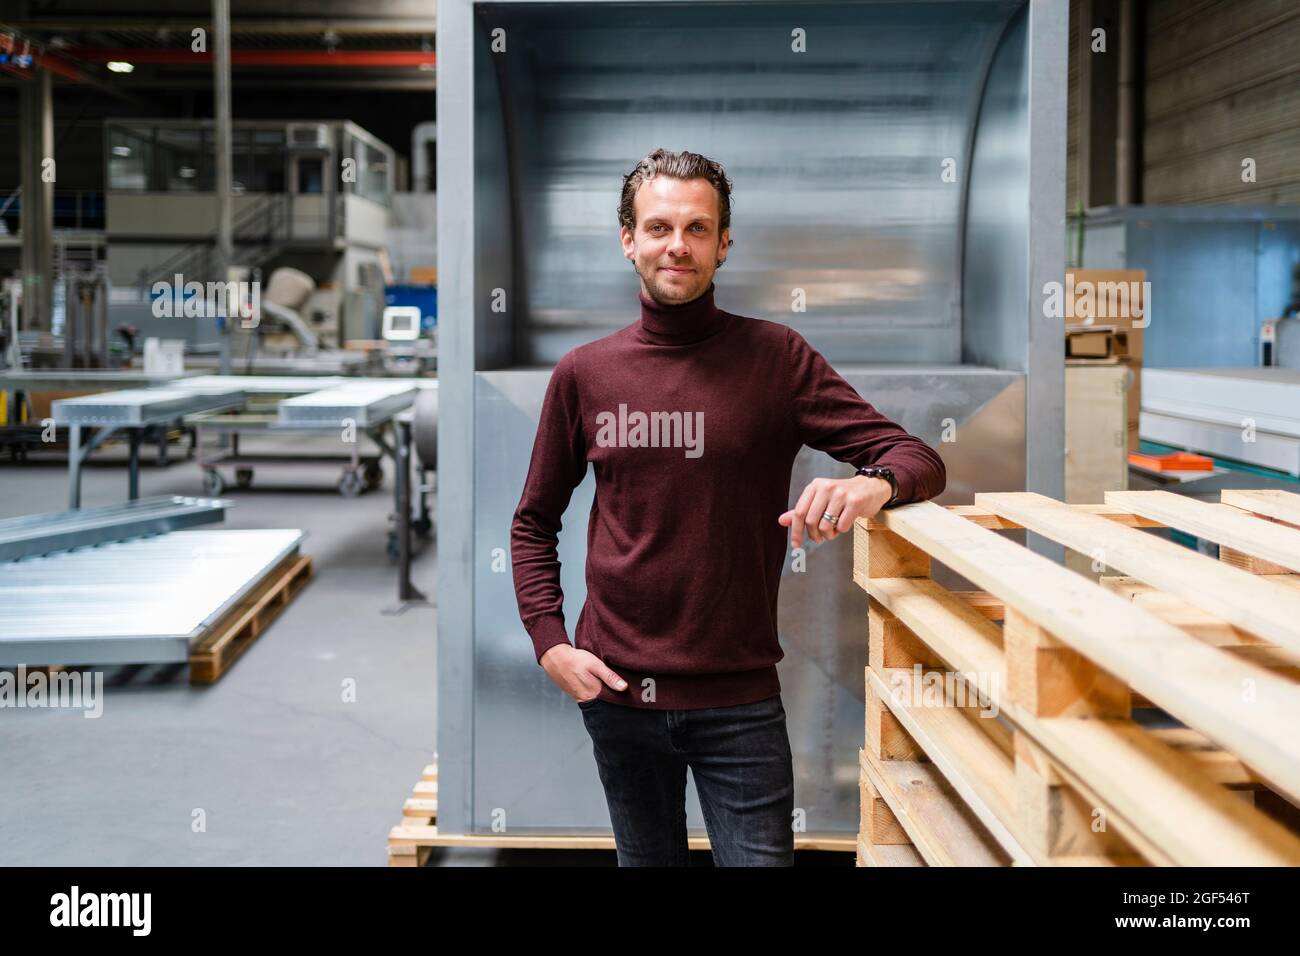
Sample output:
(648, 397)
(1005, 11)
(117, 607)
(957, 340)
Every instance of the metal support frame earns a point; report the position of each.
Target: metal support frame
(36, 142)
(78, 455)
(406, 591)
(225, 175)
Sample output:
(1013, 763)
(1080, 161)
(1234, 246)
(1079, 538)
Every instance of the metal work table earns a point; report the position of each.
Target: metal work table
(21, 431)
(364, 405)
(131, 411)
(18, 382)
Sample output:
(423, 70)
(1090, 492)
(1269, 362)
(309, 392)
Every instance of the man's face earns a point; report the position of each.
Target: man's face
(676, 245)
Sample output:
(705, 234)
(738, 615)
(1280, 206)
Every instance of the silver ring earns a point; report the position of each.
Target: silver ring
(830, 517)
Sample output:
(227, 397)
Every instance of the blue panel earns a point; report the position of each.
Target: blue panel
(1216, 273)
(423, 297)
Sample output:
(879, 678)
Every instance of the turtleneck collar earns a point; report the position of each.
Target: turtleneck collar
(681, 324)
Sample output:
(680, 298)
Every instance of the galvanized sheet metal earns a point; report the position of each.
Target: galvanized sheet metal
(41, 534)
(139, 601)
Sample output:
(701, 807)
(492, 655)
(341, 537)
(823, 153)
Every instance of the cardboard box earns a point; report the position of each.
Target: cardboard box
(1096, 442)
(1110, 297)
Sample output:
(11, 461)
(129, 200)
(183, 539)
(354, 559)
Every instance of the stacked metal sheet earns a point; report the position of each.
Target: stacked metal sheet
(44, 533)
(141, 601)
(134, 407)
(1246, 414)
(364, 404)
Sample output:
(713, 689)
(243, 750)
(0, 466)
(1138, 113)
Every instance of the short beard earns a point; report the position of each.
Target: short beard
(658, 293)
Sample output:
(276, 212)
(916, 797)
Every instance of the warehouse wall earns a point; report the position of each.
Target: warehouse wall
(1222, 84)
(1072, 195)
(1221, 87)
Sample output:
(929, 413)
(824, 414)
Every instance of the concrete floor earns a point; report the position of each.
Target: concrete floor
(285, 771)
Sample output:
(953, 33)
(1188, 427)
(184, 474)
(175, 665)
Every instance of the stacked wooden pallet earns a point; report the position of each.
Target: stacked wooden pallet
(1047, 719)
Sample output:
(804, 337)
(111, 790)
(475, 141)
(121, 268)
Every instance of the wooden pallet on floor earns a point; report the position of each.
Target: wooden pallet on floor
(1000, 723)
(412, 840)
(214, 653)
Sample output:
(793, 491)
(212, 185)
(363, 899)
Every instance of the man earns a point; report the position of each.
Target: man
(691, 418)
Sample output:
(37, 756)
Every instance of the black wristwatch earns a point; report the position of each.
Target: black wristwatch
(873, 471)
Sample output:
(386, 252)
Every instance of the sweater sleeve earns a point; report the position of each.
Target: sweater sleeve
(558, 465)
(832, 417)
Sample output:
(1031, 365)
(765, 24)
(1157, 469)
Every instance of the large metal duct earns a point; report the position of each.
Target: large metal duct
(920, 290)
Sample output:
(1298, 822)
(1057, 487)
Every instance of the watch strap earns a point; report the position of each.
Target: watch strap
(876, 471)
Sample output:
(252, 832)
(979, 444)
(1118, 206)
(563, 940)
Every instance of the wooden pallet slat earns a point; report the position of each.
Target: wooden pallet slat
(942, 829)
(1220, 523)
(1195, 683)
(884, 855)
(1271, 503)
(971, 761)
(1258, 605)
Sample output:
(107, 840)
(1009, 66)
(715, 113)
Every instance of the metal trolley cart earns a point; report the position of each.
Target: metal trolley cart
(217, 444)
(306, 407)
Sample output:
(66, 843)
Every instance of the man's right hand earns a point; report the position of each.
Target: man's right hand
(579, 673)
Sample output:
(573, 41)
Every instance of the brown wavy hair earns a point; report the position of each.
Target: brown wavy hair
(683, 165)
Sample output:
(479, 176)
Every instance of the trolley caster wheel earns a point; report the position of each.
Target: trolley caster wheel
(213, 483)
(374, 476)
(351, 484)
(244, 477)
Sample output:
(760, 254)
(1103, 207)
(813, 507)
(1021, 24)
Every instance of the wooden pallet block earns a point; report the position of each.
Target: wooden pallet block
(1069, 656)
(243, 624)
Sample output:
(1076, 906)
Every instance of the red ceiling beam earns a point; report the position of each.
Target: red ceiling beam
(184, 57)
(57, 64)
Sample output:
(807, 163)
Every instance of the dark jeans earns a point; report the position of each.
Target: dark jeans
(744, 775)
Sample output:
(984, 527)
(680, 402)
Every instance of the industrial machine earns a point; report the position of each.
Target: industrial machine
(313, 197)
(900, 163)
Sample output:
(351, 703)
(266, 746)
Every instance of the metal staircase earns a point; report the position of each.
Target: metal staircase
(258, 230)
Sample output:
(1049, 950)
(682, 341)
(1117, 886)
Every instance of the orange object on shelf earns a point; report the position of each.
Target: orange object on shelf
(1174, 461)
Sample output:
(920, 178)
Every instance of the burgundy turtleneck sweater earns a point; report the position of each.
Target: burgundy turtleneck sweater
(684, 552)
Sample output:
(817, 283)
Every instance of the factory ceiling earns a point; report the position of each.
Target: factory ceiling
(286, 43)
